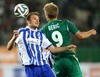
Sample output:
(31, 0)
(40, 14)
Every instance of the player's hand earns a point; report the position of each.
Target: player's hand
(71, 47)
(15, 34)
(93, 31)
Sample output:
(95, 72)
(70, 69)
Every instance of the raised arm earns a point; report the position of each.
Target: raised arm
(83, 35)
(54, 49)
(11, 42)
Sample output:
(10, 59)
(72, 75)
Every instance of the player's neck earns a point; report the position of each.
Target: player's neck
(52, 19)
(33, 27)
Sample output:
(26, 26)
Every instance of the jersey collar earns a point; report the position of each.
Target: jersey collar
(31, 29)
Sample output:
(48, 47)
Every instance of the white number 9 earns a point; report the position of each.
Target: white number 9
(57, 37)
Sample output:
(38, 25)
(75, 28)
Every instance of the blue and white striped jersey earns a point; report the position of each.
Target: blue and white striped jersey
(30, 44)
(49, 58)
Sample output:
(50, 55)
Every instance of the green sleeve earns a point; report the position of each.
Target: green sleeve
(72, 27)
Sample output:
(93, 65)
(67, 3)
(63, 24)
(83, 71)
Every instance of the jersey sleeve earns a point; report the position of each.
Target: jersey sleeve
(72, 28)
(18, 38)
(46, 42)
(49, 58)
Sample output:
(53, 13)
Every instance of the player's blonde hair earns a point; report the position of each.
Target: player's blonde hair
(51, 10)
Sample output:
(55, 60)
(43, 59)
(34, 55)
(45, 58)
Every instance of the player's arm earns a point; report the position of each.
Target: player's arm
(11, 42)
(79, 34)
(54, 49)
(83, 35)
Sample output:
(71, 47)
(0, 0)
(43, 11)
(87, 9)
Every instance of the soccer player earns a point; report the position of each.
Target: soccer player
(58, 33)
(31, 42)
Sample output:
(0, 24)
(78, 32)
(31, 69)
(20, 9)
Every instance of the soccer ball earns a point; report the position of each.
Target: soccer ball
(21, 10)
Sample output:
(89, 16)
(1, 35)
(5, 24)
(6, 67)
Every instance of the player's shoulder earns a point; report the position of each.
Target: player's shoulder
(40, 32)
(63, 21)
(66, 20)
(21, 30)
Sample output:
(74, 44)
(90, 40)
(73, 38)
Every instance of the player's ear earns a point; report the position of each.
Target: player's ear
(45, 13)
(46, 16)
(27, 22)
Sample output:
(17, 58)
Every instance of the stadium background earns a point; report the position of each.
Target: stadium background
(85, 14)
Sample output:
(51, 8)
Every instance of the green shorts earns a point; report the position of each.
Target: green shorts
(67, 66)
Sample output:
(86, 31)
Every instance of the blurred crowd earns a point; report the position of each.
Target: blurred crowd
(85, 14)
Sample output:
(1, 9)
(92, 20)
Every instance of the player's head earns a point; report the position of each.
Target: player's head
(32, 20)
(51, 11)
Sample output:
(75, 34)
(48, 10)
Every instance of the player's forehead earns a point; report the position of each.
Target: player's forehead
(36, 14)
(34, 17)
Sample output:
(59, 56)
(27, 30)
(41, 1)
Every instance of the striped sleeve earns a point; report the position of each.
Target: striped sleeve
(20, 30)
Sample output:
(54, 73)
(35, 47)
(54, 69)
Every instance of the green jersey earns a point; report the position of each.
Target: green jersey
(58, 33)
